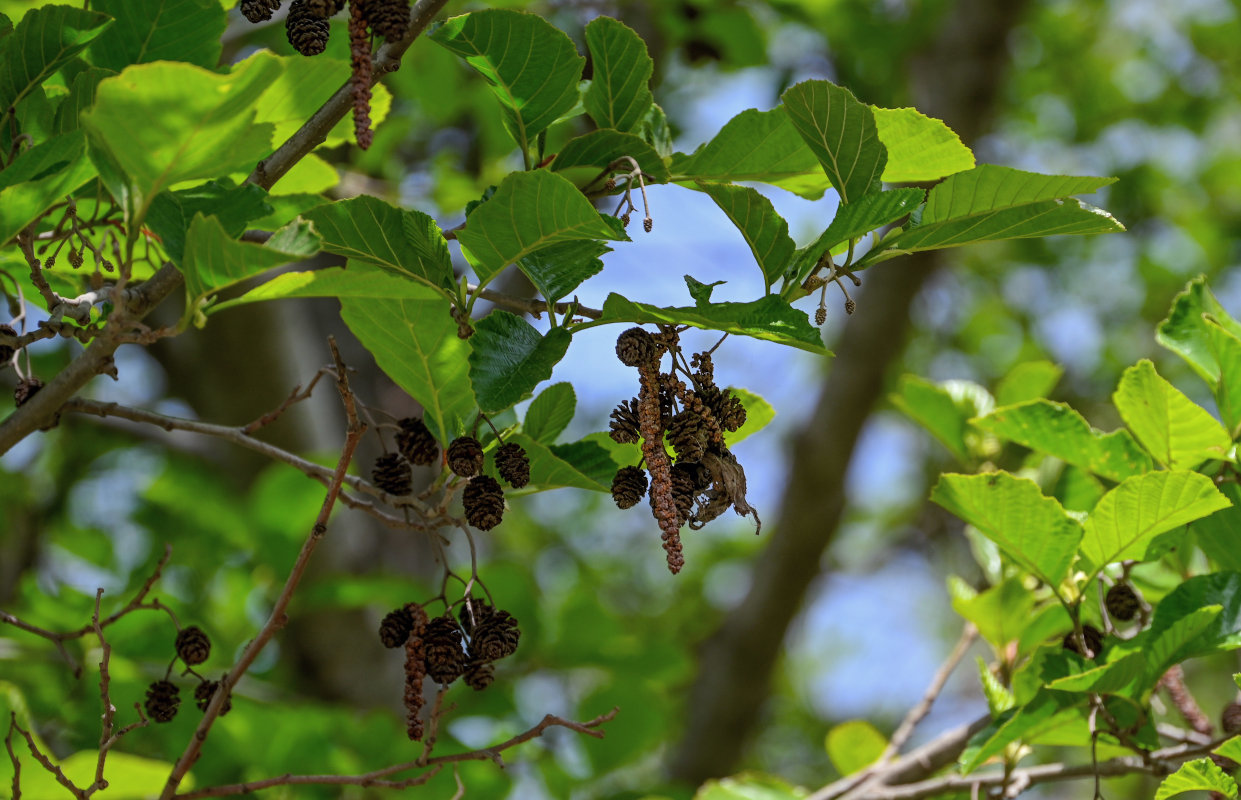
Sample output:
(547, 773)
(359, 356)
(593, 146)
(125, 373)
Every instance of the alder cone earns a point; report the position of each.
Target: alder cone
(483, 500)
(205, 691)
(6, 351)
(635, 347)
(395, 627)
(495, 636)
(163, 699)
(307, 33)
(624, 424)
(688, 436)
(1122, 602)
(479, 676)
(392, 474)
(628, 487)
(26, 389)
(465, 456)
(193, 645)
(481, 608)
(388, 18)
(727, 410)
(1094, 641)
(415, 442)
(446, 660)
(259, 10)
(513, 464)
(1230, 720)
(684, 483)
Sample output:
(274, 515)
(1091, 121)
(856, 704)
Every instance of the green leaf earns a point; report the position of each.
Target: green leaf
(45, 40)
(655, 130)
(769, 318)
(403, 241)
(1226, 347)
(1114, 677)
(1201, 774)
(1175, 430)
(589, 459)
(618, 96)
(758, 413)
(359, 280)
(214, 260)
(40, 178)
(529, 211)
(1031, 528)
(1077, 489)
(856, 219)
(990, 203)
(999, 697)
(1058, 430)
(508, 358)
(165, 123)
(1230, 749)
(415, 343)
(233, 205)
(765, 231)
(550, 412)
(1217, 589)
(81, 97)
(159, 30)
(1046, 711)
(533, 68)
(1130, 516)
(558, 269)
(840, 130)
(756, 146)
(1219, 535)
(600, 148)
(548, 470)
(701, 292)
(1000, 613)
(749, 786)
(945, 409)
(920, 148)
(130, 777)
(855, 745)
(1172, 644)
(1185, 331)
(1029, 380)
(303, 87)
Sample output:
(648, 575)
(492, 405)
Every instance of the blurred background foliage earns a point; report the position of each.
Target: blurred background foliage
(1142, 89)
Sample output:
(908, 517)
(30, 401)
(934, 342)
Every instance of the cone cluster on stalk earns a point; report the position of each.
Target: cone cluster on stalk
(163, 697)
(681, 410)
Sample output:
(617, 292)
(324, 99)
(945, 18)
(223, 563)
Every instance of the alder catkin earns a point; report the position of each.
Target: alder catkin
(657, 463)
(360, 77)
(415, 672)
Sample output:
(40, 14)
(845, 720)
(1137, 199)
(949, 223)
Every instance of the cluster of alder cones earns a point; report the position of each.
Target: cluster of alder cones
(163, 697)
(1123, 604)
(691, 418)
(447, 648)
(483, 498)
(308, 28)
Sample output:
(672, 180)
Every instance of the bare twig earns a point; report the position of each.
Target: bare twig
(375, 778)
(278, 617)
(56, 771)
(16, 792)
(296, 396)
(919, 712)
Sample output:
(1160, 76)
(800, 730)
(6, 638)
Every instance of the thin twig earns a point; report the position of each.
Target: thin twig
(56, 771)
(919, 712)
(17, 765)
(375, 778)
(279, 616)
(295, 396)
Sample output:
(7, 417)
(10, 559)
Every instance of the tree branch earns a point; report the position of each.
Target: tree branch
(375, 778)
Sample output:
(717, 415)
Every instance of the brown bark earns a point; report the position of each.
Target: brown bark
(956, 79)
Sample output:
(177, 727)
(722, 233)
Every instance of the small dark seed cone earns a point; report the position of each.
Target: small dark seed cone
(483, 500)
(481, 610)
(688, 436)
(388, 18)
(479, 676)
(628, 487)
(1230, 720)
(513, 464)
(392, 474)
(203, 694)
(307, 33)
(163, 699)
(193, 645)
(26, 389)
(465, 456)
(1122, 602)
(728, 411)
(395, 628)
(684, 479)
(636, 346)
(648, 224)
(259, 10)
(1094, 641)
(6, 351)
(624, 424)
(495, 637)
(445, 655)
(416, 442)
(820, 315)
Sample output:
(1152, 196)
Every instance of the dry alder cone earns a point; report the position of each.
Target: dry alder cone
(392, 474)
(6, 352)
(635, 347)
(26, 389)
(193, 645)
(483, 501)
(624, 424)
(513, 464)
(445, 654)
(1122, 602)
(628, 487)
(259, 10)
(205, 691)
(479, 676)
(163, 699)
(465, 456)
(395, 627)
(1094, 641)
(307, 33)
(415, 442)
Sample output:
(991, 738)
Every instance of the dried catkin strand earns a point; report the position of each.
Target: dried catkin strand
(360, 77)
(651, 427)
